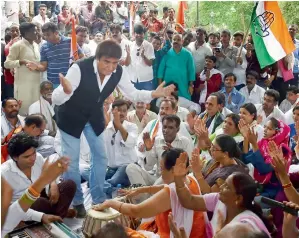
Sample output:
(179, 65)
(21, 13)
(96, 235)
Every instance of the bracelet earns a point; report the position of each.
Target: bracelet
(27, 200)
(120, 207)
(288, 185)
(33, 191)
(30, 196)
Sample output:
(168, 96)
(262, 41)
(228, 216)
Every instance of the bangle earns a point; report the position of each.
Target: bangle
(288, 185)
(33, 191)
(26, 199)
(120, 207)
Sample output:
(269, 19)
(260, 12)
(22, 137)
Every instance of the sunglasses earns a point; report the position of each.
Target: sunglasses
(113, 140)
(138, 52)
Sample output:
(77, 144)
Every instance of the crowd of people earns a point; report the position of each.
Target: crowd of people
(188, 115)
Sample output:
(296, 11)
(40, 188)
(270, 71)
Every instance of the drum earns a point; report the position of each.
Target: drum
(96, 219)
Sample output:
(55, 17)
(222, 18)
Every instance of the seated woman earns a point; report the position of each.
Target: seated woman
(248, 115)
(260, 158)
(225, 160)
(24, 169)
(234, 202)
(164, 200)
(228, 127)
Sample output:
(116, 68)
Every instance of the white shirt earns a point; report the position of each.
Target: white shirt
(277, 114)
(154, 156)
(182, 113)
(225, 111)
(38, 19)
(285, 105)
(199, 55)
(123, 45)
(125, 86)
(20, 182)
(239, 70)
(120, 152)
(15, 215)
(256, 96)
(93, 47)
(141, 71)
(182, 132)
(147, 117)
(289, 114)
(86, 50)
(116, 17)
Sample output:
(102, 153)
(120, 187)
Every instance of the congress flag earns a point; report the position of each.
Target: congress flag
(74, 47)
(270, 35)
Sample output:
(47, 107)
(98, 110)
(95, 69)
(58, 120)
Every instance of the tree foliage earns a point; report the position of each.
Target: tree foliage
(232, 15)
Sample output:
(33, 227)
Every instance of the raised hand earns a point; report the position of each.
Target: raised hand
(177, 233)
(196, 162)
(244, 128)
(180, 169)
(148, 142)
(51, 171)
(191, 120)
(278, 163)
(200, 129)
(116, 118)
(163, 92)
(252, 136)
(66, 85)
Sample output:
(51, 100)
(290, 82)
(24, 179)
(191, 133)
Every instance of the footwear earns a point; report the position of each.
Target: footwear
(71, 213)
(81, 212)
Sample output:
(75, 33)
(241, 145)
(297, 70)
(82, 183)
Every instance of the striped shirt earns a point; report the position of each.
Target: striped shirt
(58, 58)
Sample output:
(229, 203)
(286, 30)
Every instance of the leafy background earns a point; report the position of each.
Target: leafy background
(232, 15)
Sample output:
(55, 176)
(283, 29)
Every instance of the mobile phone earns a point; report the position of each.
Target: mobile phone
(272, 203)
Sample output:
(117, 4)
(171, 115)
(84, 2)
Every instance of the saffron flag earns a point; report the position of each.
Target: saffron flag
(270, 35)
(74, 47)
(181, 15)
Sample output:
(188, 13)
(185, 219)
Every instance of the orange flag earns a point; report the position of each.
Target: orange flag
(181, 15)
(74, 47)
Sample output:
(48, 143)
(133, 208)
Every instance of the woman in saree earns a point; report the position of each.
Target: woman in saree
(234, 202)
(164, 200)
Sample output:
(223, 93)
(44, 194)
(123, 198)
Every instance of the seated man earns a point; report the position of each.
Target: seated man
(233, 98)
(252, 92)
(23, 169)
(141, 116)
(35, 126)
(10, 119)
(269, 108)
(181, 112)
(154, 127)
(120, 141)
(44, 106)
(290, 101)
(154, 150)
(212, 115)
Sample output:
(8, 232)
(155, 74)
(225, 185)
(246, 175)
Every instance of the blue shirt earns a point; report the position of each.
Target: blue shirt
(58, 58)
(292, 134)
(237, 100)
(296, 54)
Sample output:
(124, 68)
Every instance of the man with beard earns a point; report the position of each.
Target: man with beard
(177, 66)
(252, 92)
(268, 108)
(155, 147)
(10, 120)
(200, 49)
(116, 34)
(233, 99)
(141, 116)
(44, 106)
(142, 56)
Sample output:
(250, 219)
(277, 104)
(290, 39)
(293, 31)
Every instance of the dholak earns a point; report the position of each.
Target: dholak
(96, 219)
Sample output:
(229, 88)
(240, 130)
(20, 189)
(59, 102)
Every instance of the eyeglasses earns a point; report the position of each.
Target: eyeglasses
(113, 140)
(138, 52)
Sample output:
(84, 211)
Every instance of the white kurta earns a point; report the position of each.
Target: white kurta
(26, 85)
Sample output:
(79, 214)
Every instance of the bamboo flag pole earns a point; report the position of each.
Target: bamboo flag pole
(245, 36)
